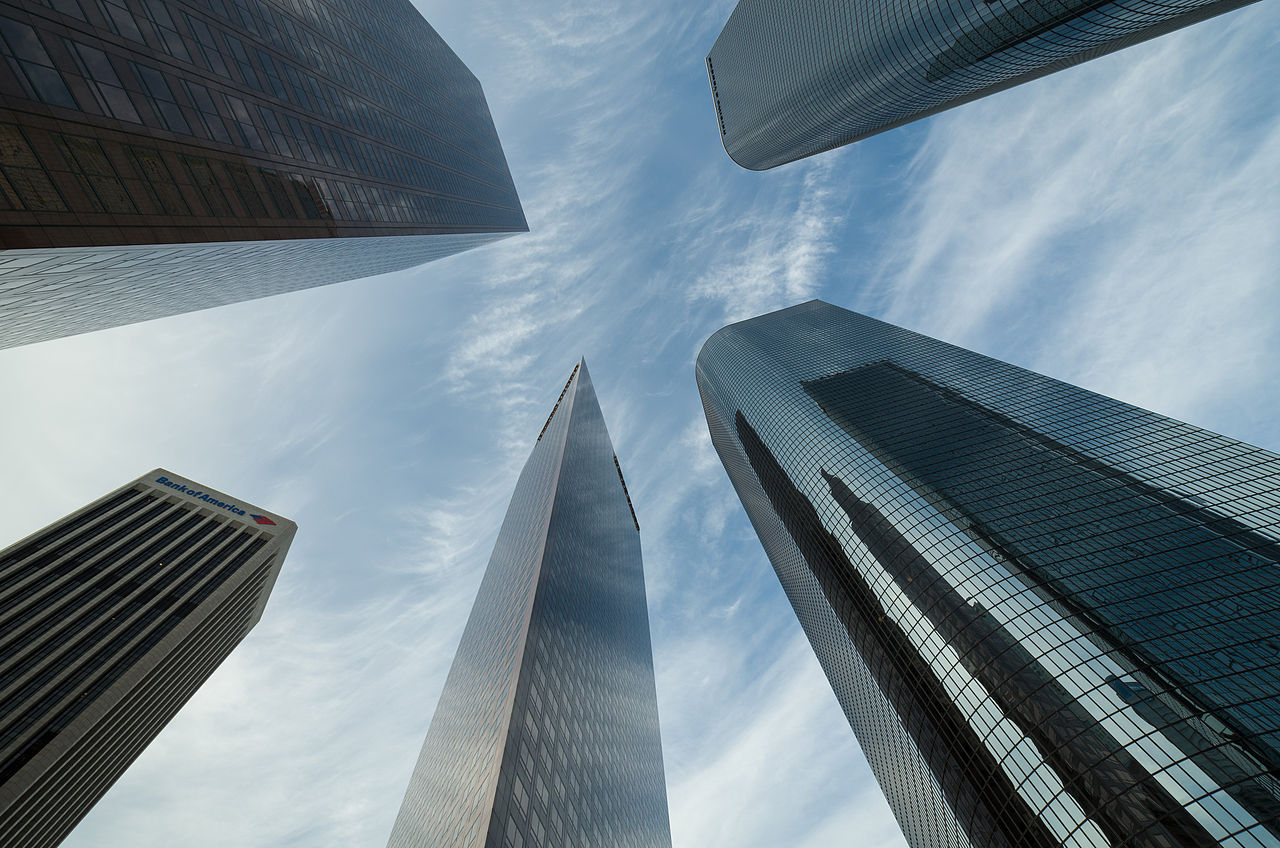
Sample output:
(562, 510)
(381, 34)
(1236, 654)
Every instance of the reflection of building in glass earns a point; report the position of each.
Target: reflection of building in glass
(188, 122)
(793, 79)
(110, 619)
(1050, 617)
(547, 730)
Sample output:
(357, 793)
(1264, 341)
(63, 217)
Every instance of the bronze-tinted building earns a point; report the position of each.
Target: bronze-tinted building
(110, 620)
(309, 141)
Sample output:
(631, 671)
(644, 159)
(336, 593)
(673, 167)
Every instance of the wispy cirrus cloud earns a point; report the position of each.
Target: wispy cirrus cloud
(1116, 221)
(767, 256)
(767, 761)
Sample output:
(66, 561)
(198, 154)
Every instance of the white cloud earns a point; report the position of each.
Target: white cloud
(1116, 220)
(760, 259)
(779, 754)
(297, 733)
(1114, 224)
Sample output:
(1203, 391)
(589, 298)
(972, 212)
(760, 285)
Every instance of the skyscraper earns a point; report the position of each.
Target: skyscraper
(789, 80)
(110, 619)
(547, 729)
(1049, 616)
(162, 156)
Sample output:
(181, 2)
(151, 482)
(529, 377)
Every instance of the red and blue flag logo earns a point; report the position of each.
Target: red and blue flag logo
(262, 519)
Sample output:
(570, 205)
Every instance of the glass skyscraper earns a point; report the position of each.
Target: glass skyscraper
(110, 620)
(789, 80)
(161, 156)
(1051, 618)
(546, 733)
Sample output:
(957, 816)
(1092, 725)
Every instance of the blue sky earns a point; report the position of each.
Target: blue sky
(1114, 225)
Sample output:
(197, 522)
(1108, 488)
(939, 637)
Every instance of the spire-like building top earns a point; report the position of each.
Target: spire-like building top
(547, 729)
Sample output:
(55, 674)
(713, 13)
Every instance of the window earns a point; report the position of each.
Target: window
(66, 7)
(121, 20)
(308, 194)
(540, 789)
(208, 46)
(100, 77)
(520, 794)
(526, 759)
(244, 122)
(242, 182)
(26, 185)
(272, 74)
(536, 831)
(207, 112)
(299, 89)
(163, 21)
(32, 65)
(158, 181)
(299, 139)
(202, 175)
(279, 139)
(512, 838)
(162, 99)
(95, 173)
(241, 57)
(278, 193)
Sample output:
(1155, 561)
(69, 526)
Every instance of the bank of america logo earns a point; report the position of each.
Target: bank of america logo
(262, 519)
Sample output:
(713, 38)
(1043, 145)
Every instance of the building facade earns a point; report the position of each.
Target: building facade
(546, 733)
(789, 80)
(267, 145)
(1050, 617)
(110, 620)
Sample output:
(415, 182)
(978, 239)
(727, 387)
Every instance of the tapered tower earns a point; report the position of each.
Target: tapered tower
(547, 730)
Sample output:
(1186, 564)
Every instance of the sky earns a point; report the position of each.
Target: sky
(1114, 225)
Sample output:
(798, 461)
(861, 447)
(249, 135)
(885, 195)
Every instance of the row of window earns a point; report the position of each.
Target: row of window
(217, 53)
(149, 596)
(147, 184)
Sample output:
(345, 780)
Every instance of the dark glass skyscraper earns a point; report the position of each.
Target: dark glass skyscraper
(110, 620)
(1050, 617)
(546, 733)
(793, 79)
(160, 156)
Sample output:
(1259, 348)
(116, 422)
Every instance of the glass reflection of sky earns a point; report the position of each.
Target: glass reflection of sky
(758, 367)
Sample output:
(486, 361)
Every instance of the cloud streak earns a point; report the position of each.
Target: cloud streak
(1112, 224)
(1085, 215)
